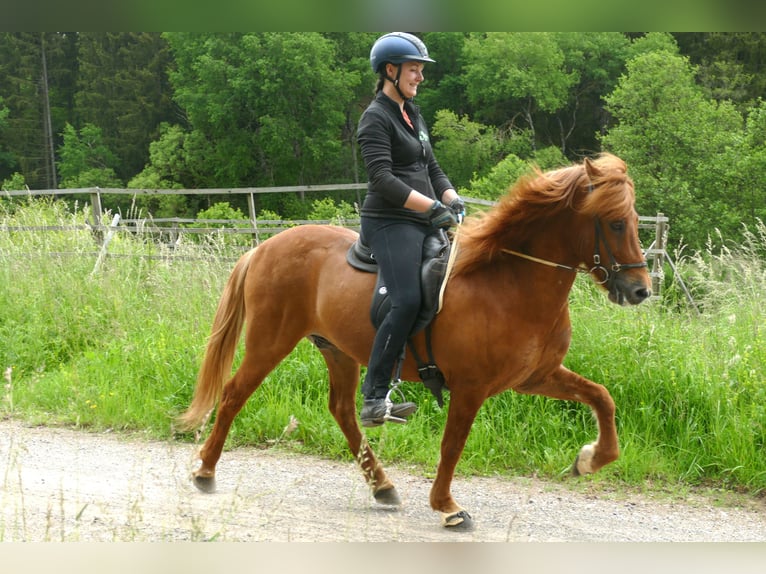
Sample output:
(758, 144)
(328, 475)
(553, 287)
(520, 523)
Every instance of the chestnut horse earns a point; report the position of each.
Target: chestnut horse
(504, 322)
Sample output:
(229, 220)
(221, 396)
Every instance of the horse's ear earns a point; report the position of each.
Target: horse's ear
(591, 169)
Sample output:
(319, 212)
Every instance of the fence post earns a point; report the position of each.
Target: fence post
(105, 245)
(253, 219)
(659, 254)
(95, 206)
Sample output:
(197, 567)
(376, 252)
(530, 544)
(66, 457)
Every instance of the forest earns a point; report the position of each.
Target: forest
(215, 110)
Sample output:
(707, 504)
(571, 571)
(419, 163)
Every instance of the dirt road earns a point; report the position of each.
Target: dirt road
(67, 485)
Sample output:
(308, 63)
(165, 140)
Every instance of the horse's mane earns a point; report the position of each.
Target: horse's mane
(599, 186)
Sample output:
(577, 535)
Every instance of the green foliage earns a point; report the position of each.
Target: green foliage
(327, 210)
(220, 210)
(464, 148)
(729, 64)
(672, 138)
(275, 101)
(509, 74)
(86, 161)
(227, 217)
(657, 42)
(122, 88)
(6, 158)
(15, 182)
(499, 180)
(167, 161)
(549, 158)
(25, 143)
(444, 88)
(503, 175)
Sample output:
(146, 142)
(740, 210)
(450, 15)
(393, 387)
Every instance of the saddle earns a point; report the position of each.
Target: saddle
(436, 254)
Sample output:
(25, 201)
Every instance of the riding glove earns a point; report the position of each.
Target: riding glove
(441, 216)
(458, 208)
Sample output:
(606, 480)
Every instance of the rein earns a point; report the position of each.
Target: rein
(597, 266)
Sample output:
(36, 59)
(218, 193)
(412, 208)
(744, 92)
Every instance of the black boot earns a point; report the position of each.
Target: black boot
(377, 411)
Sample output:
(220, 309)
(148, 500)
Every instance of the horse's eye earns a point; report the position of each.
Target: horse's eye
(618, 226)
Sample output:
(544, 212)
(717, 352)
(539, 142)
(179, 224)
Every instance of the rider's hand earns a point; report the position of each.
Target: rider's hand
(441, 216)
(458, 208)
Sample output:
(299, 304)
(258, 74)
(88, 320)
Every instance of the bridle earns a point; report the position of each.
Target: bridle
(597, 267)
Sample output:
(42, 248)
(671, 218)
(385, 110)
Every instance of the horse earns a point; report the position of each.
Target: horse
(504, 321)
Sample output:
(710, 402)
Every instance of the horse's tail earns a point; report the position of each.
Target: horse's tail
(221, 346)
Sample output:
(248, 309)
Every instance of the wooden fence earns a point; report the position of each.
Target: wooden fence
(170, 229)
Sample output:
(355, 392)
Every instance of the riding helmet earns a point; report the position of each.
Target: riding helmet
(397, 48)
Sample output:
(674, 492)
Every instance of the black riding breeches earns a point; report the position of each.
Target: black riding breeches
(398, 249)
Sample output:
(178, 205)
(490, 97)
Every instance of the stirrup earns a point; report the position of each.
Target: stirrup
(390, 404)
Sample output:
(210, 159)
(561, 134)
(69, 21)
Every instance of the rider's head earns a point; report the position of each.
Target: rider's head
(396, 48)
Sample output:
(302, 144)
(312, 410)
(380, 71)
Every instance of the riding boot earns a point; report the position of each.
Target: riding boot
(377, 411)
(379, 408)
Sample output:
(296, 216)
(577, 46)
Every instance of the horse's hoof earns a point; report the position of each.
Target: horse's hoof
(204, 483)
(583, 463)
(388, 496)
(575, 472)
(458, 521)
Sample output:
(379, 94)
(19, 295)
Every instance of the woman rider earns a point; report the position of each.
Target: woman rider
(408, 198)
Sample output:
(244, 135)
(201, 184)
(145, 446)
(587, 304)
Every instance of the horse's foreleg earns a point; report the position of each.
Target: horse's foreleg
(344, 379)
(566, 385)
(462, 412)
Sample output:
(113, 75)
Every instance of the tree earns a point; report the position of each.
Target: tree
(730, 64)
(735, 176)
(464, 148)
(122, 88)
(36, 70)
(166, 169)
(512, 74)
(86, 161)
(596, 60)
(168, 163)
(274, 101)
(443, 87)
(6, 158)
(670, 135)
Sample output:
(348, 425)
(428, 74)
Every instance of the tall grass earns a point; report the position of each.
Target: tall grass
(120, 349)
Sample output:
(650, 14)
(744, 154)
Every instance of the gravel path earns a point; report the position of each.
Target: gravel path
(67, 485)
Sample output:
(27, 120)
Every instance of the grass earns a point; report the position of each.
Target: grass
(120, 349)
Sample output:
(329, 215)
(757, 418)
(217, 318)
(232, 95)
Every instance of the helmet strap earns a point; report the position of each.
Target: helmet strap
(395, 81)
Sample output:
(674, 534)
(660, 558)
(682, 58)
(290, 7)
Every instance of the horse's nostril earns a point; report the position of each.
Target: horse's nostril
(643, 293)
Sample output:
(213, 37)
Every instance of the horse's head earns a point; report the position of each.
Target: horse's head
(617, 260)
(576, 218)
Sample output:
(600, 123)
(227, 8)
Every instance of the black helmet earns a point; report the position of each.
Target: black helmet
(397, 48)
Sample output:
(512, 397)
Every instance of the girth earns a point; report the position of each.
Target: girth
(436, 254)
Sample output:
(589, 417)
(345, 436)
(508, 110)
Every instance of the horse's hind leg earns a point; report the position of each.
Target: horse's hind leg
(344, 378)
(566, 385)
(259, 361)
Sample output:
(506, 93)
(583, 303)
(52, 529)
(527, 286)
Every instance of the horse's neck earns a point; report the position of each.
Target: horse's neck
(541, 278)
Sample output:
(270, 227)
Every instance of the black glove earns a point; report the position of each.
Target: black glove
(458, 208)
(441, 216)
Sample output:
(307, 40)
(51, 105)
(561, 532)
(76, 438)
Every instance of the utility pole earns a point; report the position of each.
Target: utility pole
(50, 159)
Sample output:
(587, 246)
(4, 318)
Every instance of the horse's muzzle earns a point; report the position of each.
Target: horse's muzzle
(623, 291)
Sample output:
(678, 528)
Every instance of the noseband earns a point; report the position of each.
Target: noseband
(597, 267)
(613, 265)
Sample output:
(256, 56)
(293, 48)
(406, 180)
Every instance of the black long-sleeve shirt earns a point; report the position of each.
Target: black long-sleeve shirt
(398, 158)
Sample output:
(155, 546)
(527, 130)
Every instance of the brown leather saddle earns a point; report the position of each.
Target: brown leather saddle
(436, 253)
